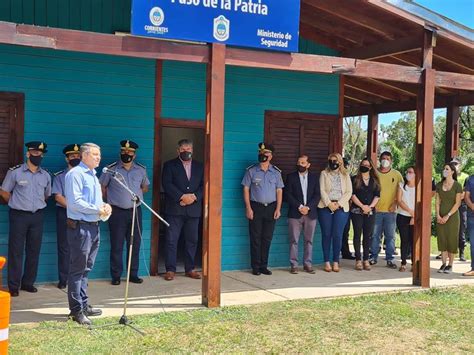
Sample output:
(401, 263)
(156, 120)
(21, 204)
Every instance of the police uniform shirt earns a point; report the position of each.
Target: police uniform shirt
(134, 178)
(59, 182)
(263, 184)
(28, 190)
(83, 194)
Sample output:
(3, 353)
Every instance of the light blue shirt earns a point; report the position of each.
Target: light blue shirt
(83, 194)
(135, 178)
(263, 184)
(28, 190)
(58, 184)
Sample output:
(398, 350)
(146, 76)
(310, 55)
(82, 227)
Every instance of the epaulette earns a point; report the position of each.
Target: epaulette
(46, 170)
(143, 166)
(111, 165)
(15, 167)
(277, 168)
(58, 173)
(251, 166)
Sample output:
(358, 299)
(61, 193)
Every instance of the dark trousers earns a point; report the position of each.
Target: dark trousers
(345, 251)
(63, 245)
(261, 234)
(462, 226)
(362, 224)
(26, 232)
(332, 227)
(120, 224)
(83, 248)
(406, 236)
(190, 228)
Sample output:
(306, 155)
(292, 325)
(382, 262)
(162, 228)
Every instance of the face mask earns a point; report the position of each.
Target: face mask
(262, 158)
(333, 166)
(385, 163)
(410, 176)
(126, 158)
(185, 156)
(36, 160)
(364, 169)
(445, 173)
(74, 162)
(301, 169)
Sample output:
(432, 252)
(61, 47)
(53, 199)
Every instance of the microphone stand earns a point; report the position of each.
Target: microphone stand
(123, 319)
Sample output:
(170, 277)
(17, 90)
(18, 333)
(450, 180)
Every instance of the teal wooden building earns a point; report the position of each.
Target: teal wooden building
(77, 76)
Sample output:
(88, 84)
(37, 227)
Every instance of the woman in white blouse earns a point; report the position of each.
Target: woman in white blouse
(333, 208)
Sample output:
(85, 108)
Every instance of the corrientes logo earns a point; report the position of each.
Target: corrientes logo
(157, 16)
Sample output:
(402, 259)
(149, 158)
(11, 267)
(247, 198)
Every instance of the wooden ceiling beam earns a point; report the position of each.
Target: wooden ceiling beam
(318, 36)
(384, 49)
(374, 89)
(349, 91)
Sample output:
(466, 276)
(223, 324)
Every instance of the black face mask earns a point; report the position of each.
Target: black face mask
(185, 156)
(262, 158)
(126, 158)
(333, 166)
(301, 169)
(364, 169)
(74, 162)
(36, 160)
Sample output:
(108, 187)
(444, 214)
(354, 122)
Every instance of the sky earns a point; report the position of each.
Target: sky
(461, 11)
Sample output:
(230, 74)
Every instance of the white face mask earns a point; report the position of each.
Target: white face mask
(385, 163)
(410, 176)
(446, 173)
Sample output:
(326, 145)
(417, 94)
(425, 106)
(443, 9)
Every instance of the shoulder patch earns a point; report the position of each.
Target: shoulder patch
(112, 165)
(251, 166)
(15, 167)
(58, 173)
(277, 168)
(139, 164)
(46, 170)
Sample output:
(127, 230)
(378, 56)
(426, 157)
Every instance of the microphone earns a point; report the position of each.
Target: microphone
(106, 170)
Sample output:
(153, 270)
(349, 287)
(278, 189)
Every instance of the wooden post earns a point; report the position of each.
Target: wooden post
(452, 130)
(338, 143)
(211, 258)
(155, 225)
(372, 135)
(424, 155)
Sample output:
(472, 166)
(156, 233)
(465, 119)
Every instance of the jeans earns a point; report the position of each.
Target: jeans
(332, 227)
(470, 233)
(384, 222)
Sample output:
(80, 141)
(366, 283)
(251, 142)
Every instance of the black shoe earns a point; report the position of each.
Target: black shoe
(265, 271)
(115, 282)
(448, 269)
(438, 257)
(14, 293)
(29, 288)
(348, 256)
(89, 311)
(461, 257)
(136, 280)
(441, 269)
(61, 285)
(256, 272)
(80, 318)
(372, 262)
(391, 265)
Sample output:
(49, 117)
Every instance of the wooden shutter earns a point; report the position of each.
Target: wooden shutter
(293, 134)
(11, 131)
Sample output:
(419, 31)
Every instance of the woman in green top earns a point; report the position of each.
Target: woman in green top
(448, 200)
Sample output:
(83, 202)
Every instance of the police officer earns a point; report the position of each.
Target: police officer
(134, 176)
(263, 193)
(73, 158)
(26, 188)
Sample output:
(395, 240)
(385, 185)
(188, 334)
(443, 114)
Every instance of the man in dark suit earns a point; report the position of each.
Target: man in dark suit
(183, 183)
(302, 194)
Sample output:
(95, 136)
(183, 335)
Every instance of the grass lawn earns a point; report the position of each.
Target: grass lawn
(436, 320)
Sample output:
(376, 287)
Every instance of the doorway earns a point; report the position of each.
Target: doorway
(171, 132)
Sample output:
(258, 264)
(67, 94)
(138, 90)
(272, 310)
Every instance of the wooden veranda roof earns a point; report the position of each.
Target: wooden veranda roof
(382, 32)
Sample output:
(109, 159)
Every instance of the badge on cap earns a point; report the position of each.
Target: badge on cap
(76, 148)
(41, 146)
(127, 145)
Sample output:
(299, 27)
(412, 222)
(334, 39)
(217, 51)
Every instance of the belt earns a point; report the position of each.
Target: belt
(264, 204)
(29, 212)
(84, 222)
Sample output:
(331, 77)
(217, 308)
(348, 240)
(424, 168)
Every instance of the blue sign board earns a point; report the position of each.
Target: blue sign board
(265, 24)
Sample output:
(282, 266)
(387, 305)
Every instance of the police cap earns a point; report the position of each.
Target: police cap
(263, 147)
(128, 145)
(37, 145)
(71, 149)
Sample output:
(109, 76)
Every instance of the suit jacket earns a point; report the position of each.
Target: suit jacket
(294, 195)
(325, 185)
(176, 184)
